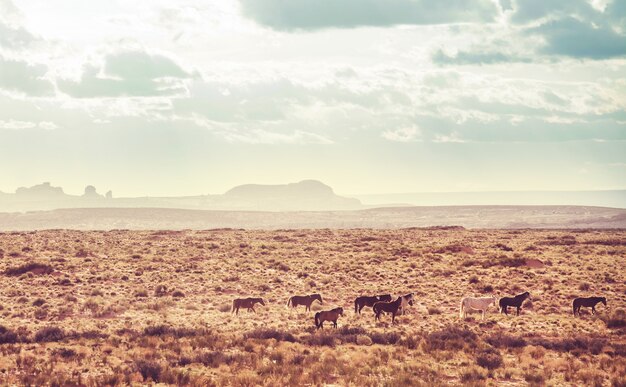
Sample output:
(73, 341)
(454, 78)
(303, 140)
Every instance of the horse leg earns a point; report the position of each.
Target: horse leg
(252, 309)
(393, 317)
(593, 309)
(518, 309)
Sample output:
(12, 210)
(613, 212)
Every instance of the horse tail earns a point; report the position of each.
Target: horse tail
(461, 308)
(232, 310)
(289, 301)
(317, 319)
(356, 305)
(574, 307)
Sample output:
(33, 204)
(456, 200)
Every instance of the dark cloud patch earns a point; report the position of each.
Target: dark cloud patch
(25, 78)
(320, 14)
(531, 10)
(476, 57)
(132, 74)
(575, 38)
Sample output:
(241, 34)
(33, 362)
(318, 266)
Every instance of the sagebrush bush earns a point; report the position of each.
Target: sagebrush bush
(270, 333)
(49, 334)
(32, 267)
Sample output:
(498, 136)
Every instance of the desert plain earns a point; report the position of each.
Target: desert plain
(127, 307)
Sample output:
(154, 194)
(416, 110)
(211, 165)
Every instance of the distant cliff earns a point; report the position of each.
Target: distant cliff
(307, 195)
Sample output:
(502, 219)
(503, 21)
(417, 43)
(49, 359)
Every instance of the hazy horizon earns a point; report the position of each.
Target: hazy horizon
(180, 98)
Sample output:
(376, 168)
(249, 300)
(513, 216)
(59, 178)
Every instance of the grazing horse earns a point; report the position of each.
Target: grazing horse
(304, 300)
(392, 307)
(516, 302)
(363, 301)
(328, 315)
(475, 303)
(589, 302)
(247, 303)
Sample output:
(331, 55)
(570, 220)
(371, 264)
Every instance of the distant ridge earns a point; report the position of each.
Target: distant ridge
(306, 195)
(561, 217)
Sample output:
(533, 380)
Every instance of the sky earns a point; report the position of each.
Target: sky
(185, 97)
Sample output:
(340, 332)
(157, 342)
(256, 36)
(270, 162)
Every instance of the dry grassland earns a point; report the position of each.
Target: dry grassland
(137, 307)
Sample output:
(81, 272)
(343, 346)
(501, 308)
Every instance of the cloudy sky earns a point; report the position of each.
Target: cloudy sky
(177, 97)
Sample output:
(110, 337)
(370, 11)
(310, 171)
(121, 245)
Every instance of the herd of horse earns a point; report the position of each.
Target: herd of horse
(384, 304)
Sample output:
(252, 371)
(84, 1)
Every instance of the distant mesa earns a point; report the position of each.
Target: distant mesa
(91, 193)
(307, 195)
(311, 195)
(43, 190)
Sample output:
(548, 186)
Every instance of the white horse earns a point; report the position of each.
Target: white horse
(476, 304)
(407, 300)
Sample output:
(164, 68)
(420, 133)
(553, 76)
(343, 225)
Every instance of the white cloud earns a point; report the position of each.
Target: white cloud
(407, 134)
(21, 125)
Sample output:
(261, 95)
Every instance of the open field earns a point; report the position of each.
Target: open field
(569, 217)
(117, 307)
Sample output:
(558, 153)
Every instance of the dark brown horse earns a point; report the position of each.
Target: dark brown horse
(247, 303)
(393, 307)
(328, 315)
(304, 300)
(589, 302)
(363, 301)
(515, 302)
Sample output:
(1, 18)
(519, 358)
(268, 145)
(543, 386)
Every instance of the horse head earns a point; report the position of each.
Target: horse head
(340, 311)
(317, 296)
(603, 300)
(260, 300)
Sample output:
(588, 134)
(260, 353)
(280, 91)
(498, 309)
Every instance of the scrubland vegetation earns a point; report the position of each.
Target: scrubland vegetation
(140, 307)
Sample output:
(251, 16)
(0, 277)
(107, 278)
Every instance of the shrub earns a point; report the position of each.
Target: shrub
(270, 333)
(32, 267)
(363, 340)
(149, 369)
(178, 294)
(39, 302)
(7, 336)
(157, 330)
(454, 249)
(82, 253)
(489, 359)
(534, 378)
(385, 338)
(49, 334)
(450, 338)
(323, 339)
(501, 340)
(433, 310)
(472, 375)
(213, 358)
(615, 320)
(502, 247)
(512, 262)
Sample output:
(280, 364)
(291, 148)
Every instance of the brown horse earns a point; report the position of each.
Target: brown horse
(363, 301)
(304, 300)
(328, 315)
(393, 307)
(247, 303)
(589, 302)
